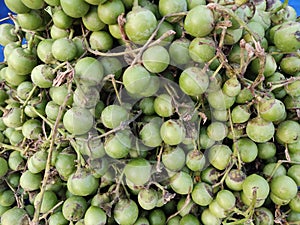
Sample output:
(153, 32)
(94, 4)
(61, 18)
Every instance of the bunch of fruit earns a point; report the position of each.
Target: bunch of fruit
(159, 112)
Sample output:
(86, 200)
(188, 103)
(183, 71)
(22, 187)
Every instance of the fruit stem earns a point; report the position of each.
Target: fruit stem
(186, 203)
(10, 147)
(122, 126)
(221, 8)
(236, 152)
(138, 56)
(282, 6)
(135, 3)
(53, 134)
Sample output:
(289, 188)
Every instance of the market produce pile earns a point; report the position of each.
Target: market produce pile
(150, 112)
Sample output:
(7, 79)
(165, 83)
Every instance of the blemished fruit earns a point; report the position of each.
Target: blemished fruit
(142, 112)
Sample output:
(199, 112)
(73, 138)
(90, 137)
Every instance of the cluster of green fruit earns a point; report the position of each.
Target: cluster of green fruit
(139, 112)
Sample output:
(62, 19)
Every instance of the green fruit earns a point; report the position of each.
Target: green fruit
(240, 114)
(195, 160)
(156, 59)
(235, 179)
(272, 169)
(202, 194)
(138, 171)
(82, 183)
(266, 150)
(95, 216)
(78, 120)
(136, 79)
(42, 76)
(226, 199)
(157, 217)
(189, 220)
(181, 183)
(150, 135)
(76, 8)
(126, 212)
(101, 41)
(199, 26)
(61, 19)
(172, 132)
(147, 198)
(219, 156)
(7, 198)
(3, 167)
(140, 24)
(89, 71)
(7, 34)
(17, 216)
(92, 21)
(16, 6)
(179, 51)
(32, 20)
(113, 115)
(65, 164)
(283, 187)
(48, 201)
(30, 181)
(247, 149)
(260, 130)
(288, 131)
(74, 208)
(270, 66)
(57, 219)
(258, 183)
(22, 61)
(193, 81)
(217, 131)
(64, 49)
(208, 218)
(286, 37)
(202, 49)
(117, 146)
(109, 11)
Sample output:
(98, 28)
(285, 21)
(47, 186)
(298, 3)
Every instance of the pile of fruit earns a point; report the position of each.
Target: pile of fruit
(139, 112)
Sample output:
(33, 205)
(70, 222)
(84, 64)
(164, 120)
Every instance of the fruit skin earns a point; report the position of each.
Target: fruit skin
(166, 7)
(171, 132)
(255, 181)
(16, 216)
(156, 59)
(138, 171)
(202, 194)
(288, 131)
(284, 187)
(126, 212)
(140, 24)
(193, 81)
(286, 37)
(74, 208)
(260, 130)
(75, 8)
(136, 79)
(82, 183)
(199, 26)
(181, 183)
(95, 216)
(78, 120)
(110, 10)
(219, 156)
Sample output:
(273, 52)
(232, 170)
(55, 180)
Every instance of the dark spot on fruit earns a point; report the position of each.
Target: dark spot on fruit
(297, 35)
